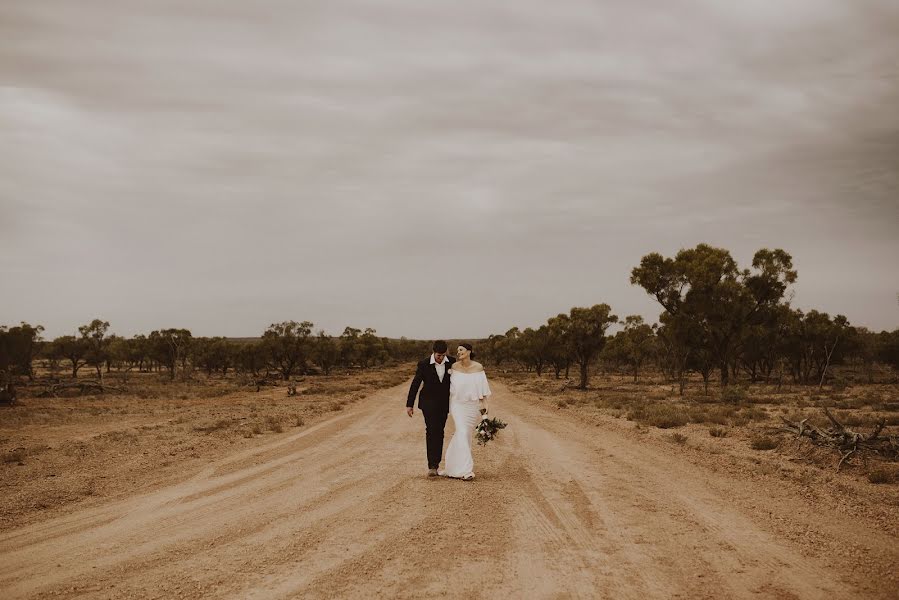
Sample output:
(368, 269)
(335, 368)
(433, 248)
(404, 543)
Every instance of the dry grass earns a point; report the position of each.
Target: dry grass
(749, 414)
(96, 446)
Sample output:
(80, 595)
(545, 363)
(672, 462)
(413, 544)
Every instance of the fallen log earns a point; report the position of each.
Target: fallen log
(83, 387)
(846, 442)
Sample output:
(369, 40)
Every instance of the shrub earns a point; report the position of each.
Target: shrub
(561, 404)
(678, 438)
(880, 475)
(763, 443)
(839, 384)
(718, 432)
(274, 424)
(14, 456)
(663, 416)
(734, 394)
(717, 415)
(298, 421)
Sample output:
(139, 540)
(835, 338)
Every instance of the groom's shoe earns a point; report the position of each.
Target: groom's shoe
(432, 472)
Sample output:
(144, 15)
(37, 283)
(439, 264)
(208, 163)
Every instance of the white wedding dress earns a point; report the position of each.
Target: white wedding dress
(466, 389)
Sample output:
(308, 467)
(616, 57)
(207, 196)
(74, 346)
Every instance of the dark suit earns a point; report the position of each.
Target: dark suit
(433, 400)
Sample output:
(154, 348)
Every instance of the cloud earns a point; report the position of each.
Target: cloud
(227, 165)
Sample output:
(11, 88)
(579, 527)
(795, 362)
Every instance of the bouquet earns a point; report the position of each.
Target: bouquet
(487, 430)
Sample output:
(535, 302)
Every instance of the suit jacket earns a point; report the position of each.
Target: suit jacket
(435, 393)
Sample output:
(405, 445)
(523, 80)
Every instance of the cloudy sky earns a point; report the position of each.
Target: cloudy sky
(435, 169)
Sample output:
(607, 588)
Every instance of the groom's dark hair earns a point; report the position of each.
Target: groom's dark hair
(440, 347)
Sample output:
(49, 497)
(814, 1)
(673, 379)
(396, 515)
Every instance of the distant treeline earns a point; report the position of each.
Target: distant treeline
(717, 320)
(287, 349)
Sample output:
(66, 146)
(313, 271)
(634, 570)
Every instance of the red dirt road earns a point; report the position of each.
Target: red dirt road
(560, 509)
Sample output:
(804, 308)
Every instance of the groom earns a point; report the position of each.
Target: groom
(433, 400)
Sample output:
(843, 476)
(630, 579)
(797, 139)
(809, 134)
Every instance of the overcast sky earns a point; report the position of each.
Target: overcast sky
(435, 169)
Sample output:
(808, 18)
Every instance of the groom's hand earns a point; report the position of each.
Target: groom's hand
(409, 410)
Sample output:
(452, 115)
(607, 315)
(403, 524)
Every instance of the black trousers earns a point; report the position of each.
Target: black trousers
(435, 422)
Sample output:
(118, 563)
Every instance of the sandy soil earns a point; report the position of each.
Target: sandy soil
(561, 507)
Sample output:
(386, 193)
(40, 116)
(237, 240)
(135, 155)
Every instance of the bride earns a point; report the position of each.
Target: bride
(468, 392)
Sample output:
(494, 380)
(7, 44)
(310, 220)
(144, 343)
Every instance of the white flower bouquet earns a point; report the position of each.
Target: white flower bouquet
(487, 430)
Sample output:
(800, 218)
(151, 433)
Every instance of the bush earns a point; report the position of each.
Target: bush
(763, 443)
(678, 438)
(880, 475)
(718, 432)
(663, 416)
(561, 404)
(839, 384)
(734, 394)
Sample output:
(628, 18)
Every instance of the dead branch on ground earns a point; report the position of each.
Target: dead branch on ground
(83, 387)
(848, 443)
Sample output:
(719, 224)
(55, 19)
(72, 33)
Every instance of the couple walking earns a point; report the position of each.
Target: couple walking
(456, 386)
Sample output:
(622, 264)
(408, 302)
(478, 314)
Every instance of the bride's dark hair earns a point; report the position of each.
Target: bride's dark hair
(467, 346)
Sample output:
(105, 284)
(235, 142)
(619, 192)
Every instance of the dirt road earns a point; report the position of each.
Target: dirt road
(342, 509)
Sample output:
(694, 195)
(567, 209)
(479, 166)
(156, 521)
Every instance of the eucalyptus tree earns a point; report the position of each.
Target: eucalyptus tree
(169, 347)
(287, 345)
(633, 345)
(19, 346)
(96, 342)
(325, 352)
(705, 287)
(587, 336)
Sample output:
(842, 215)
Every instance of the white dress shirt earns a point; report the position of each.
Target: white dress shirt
(440, 366)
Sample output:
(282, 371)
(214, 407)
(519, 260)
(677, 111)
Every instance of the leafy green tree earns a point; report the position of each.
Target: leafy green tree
(350, 348)
(674, 348)
(287, 345)
(703, 285)
(169, 347)
(19, 346)
(560, 348)
(325, 352)
(213, 355)
(633, 345)
(70, 348)
(888, 348)
(587, 334)
(370, 348)
(251, 358)
(534, 348)
(94, 336)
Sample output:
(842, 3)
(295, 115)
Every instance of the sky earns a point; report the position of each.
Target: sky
(435, 169)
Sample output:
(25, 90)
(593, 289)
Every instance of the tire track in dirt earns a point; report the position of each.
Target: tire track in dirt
(342, 509)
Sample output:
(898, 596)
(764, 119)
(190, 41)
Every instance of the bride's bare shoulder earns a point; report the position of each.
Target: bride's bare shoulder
(476, 367)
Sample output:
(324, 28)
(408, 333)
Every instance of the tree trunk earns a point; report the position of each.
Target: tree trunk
(583, 384)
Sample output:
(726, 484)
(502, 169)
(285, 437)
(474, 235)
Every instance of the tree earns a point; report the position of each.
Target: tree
(169, 347)
(18, 348)
(704, 286)
(213, 354)
(94, 336)
(534, 348)
(350, 350)
(251, 358)
(325, 352)
(633, 345)
(560, 349)
(888, 348)
(370, 348)
(70, 348)
(287, 346)
(587, 334)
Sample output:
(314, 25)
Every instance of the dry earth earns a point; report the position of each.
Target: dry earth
(562, 506)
